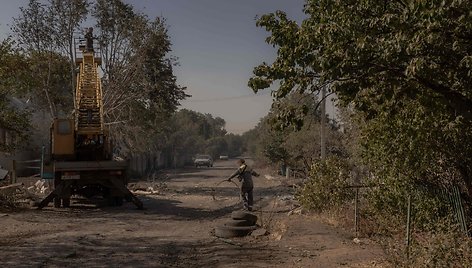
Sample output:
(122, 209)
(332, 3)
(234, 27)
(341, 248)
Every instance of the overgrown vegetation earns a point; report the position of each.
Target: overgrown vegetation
(401, 70)
(13, 83)
(277, 141)
(327, 185)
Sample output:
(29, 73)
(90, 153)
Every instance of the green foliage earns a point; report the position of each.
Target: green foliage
(327, 185)
(278, 140)
(425, 145)
(13, 82)
(404, 68)
(192, 133)
(140, 92)
(402, 71)
(49, 87)
(387, 206)
(44, 33)
(442, 247)
(139, 85)
(14, 76)
(235, 144)
(16, 123)
(37, 77)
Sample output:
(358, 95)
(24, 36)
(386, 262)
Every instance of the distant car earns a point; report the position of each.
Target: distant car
(203, 160)
(223, 157)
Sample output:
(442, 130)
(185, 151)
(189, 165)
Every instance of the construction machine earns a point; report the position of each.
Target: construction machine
(81, 152)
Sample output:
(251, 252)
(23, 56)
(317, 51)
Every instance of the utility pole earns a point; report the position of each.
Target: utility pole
(323, 123)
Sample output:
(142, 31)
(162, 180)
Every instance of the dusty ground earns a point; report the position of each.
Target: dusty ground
(175, 230)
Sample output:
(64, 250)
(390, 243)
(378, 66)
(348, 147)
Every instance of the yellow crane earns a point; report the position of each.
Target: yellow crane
(81, 152)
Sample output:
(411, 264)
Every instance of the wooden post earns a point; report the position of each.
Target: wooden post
(13, 172)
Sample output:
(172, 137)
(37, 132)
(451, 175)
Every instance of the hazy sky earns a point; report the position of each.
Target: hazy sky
(218, 44)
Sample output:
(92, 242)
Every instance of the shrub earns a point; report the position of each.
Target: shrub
(327, 185)
(449, 249)
(445, 246)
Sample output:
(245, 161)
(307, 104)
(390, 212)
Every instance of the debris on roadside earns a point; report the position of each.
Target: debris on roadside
(296, 211)
(292, 183)
(39, 187)
(149, 191)
(277, 237)
(147, 188)
(259, 232)
(286, 197)
(18, 195)
(10, 189)
(8, 199)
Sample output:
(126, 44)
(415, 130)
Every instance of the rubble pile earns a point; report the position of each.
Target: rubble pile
(17, 194)
(39, 187)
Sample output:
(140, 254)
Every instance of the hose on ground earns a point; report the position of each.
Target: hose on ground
(213, 189)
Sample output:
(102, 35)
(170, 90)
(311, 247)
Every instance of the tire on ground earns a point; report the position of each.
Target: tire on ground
(232, 231)
(238, 223)
(241, 215)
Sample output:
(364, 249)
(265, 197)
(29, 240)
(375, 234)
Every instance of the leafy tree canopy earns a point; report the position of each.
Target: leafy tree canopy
(404, 66)
(13, 83)
(139, 86)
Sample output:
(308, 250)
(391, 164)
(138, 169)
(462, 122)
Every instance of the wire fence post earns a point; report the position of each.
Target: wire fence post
(356, 212)
(408, 223)
(459, 209)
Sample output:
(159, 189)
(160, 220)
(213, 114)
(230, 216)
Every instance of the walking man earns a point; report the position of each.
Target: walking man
(244, 174)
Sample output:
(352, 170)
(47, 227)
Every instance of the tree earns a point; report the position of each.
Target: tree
(13, 82)
(140, 92)
(194, 133)
(67, 16)
(140, 89)
(405, 68)
(45, 34)
(278, 140)
(235, 145)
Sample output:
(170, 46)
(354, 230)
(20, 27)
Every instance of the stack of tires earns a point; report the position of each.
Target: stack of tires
(241, 224)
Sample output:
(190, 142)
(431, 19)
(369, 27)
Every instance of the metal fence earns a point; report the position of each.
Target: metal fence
(37, 165)
(452, 197)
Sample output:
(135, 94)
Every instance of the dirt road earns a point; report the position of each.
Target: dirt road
(175, 230)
